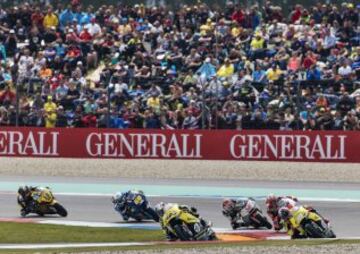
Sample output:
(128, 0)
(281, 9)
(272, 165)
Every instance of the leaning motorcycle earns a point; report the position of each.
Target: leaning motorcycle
(187, 227)
(44, 203)
(252, 215)
(310, 224)
(138, 208)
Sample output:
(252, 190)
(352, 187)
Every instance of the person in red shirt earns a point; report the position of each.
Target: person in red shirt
(90, 120)
(238, 16)
(85, 36)
(296, 14)
(309, 60)
(37, 18)
(8, 96)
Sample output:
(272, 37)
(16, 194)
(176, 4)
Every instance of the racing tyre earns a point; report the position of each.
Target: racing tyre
(330, 234)
(263, 221)
(181, 233)
(60, 210)
(153, 214)
(314, 230)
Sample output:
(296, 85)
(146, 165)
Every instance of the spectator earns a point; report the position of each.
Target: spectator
(50, 19)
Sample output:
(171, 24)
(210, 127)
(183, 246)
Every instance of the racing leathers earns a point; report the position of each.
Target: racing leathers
(273, 205)
(25, 199)
(234, 213)
(120, 202)
(192, 210)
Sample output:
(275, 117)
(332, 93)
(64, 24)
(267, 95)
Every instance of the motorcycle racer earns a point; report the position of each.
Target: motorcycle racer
(25, 199)
(231, 209)
(134, 204)
(119, 201)
(274, 203)
(244, 212)
(161, 209)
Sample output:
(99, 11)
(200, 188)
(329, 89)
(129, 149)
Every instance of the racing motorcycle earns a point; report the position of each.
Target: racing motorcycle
(309, 224)
(186, 226)
(252, 215)
(43, 203)
(138, 208)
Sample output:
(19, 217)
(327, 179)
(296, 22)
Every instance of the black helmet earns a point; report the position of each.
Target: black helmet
(23, 190)
(284, 213)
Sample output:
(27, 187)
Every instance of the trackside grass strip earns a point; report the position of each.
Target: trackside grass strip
(21, 233)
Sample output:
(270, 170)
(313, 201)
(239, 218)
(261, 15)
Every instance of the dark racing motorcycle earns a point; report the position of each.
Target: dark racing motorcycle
(136, 206)
(252, 216)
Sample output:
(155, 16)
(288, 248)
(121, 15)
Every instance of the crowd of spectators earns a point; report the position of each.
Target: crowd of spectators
(189, 68)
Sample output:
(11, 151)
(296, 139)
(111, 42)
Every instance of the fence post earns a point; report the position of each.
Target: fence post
(298, 91)
(108, 101)
(17, 103)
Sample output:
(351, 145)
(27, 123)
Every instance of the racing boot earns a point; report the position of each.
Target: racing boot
(125, 217)
(23, 212)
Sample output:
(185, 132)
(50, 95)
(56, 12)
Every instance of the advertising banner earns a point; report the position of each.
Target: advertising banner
(316, 146)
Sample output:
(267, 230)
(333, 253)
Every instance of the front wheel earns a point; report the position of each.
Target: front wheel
(181, 233)
(314, 230)
(60, 210)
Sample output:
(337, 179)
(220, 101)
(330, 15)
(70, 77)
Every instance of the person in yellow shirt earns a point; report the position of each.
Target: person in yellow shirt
(50, 109)
(207, 27)
(236, 30)
(257, 42)
(226, 70)
(153, 102)
(50, 20)
(273, 73)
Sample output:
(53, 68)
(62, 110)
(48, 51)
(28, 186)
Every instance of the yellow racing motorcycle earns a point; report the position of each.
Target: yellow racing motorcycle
(304, 223)
(186, 226)
(42, 202)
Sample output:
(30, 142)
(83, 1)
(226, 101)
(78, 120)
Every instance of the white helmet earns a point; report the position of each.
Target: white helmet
(117, 197)
(159, 209)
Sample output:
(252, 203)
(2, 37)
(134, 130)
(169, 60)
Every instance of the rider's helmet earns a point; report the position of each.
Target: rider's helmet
(241, 203)
(23, 190)
(270, 199)
(284, 213)
(228, 204)
(138, 191)
(117, 197)
(159, 209)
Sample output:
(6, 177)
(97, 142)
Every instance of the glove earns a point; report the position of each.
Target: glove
(193, 209)
(226, 213)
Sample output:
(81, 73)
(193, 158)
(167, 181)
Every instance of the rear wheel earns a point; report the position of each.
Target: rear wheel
(263, 221)
(60, 210)
(152, 214)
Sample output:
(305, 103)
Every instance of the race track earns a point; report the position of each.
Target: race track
(98, 208)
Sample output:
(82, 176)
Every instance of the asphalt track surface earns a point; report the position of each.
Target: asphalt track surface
(344, 216)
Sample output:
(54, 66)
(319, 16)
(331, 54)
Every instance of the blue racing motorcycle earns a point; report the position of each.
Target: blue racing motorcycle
(134, 204)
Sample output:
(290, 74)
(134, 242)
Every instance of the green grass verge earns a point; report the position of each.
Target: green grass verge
(13, 233)
(188, 246)
(18, 233)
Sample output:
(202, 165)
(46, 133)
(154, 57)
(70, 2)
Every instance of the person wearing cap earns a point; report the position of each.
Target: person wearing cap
(50, 19)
